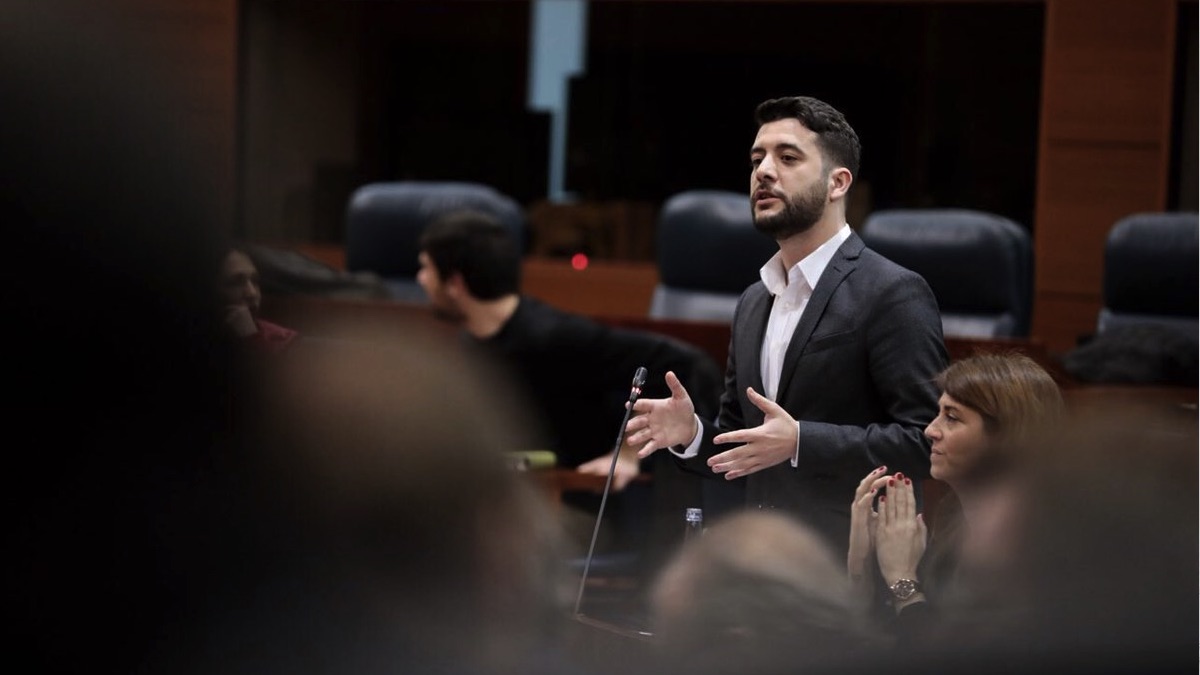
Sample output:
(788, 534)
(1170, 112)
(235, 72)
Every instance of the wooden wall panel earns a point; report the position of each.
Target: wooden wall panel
(1070, 258)
(605, 288)
(1103, 148)
(1074, 315)
(1108, 65)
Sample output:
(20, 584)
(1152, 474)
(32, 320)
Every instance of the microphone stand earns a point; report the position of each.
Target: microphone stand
(639, 379)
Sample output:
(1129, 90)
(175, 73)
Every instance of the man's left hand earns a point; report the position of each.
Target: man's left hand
(771, 443)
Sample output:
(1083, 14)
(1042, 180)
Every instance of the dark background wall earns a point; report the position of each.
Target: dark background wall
(944, 95)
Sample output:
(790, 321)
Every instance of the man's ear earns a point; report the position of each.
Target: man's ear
(839, 183)
(456, 286)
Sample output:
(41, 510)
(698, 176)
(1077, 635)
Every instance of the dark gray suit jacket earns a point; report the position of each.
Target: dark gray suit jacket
(858, 375)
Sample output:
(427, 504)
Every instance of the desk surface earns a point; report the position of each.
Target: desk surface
(1164, 408)
(558, 480)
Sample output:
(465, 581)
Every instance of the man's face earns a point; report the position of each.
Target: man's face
(440, 300)
(239, 283)
(789, 187)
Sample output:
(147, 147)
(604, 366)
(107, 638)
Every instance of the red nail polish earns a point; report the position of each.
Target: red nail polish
(882, 498)
(907, 481)
(899, 475)
(891, 482)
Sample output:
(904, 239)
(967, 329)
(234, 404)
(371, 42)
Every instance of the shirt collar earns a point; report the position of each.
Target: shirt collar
(810, 267)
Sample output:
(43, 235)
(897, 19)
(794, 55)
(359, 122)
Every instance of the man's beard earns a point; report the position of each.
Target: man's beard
(799, 214)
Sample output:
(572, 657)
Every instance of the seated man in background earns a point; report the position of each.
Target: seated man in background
(577, 372)
(242, 296)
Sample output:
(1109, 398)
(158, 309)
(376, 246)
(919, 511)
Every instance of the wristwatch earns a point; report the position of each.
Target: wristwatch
(904, 589)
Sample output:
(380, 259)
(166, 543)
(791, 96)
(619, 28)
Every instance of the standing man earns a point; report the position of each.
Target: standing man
(833, 352)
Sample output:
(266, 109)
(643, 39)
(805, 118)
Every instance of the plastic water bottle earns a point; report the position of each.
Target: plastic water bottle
(694, 519)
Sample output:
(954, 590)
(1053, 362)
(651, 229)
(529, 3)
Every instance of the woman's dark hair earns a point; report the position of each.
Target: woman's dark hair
(1014, 395)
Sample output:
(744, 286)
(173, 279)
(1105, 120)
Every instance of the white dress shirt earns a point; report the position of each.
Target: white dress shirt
(791, 290)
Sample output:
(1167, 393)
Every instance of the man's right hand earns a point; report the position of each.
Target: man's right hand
(662, 422)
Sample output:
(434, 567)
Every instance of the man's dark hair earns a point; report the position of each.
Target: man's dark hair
(478, 247)
(836, 138)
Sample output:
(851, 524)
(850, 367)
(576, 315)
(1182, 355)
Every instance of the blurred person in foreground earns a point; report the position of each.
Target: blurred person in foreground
(379, 535)
(173, 513)
(988, 402)
(1093, 541)
(759, 592)
(121, 368)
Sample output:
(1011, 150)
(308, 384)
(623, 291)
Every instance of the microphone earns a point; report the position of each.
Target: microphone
(635, 390)
(639, 379)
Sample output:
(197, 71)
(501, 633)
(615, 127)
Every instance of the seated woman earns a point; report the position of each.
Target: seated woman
(242, 295)
(989, 404)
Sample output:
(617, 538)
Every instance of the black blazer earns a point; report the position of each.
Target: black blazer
(576, 372)
(858, 375)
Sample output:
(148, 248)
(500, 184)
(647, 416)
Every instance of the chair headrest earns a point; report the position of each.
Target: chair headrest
(707, 242)
(673, 303)
(384, 220)
(974, 262)
(1150, 264)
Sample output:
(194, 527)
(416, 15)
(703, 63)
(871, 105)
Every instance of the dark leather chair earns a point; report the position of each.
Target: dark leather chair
(1150, 273)
(708, 253)
(979, 265)
(384, 222)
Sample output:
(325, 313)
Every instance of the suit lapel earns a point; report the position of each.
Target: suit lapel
(840, 266)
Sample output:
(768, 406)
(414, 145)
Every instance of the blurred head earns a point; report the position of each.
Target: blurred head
(467, 253)
(239, 282)
(114, 200)
(1100, 522)
(757, 590)
(387, 497)
(988, 400)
